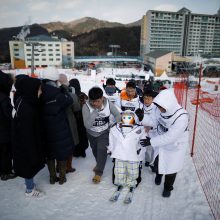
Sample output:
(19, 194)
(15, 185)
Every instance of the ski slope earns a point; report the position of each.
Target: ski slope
(81, 199)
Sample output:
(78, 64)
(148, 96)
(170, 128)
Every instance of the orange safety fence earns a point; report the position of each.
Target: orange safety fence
(203, 106)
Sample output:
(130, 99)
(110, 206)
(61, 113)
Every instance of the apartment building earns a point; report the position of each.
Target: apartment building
(181, 32)
(41, 51)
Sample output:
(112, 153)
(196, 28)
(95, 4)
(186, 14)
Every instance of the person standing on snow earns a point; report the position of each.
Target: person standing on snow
(125, 148)
(80, 149)
(58, 138)
(148, 108)
(5, 127)
(128, 99)
(111, 90)
(70, 110)
(28, 153)
(171, 143)
(96, 112)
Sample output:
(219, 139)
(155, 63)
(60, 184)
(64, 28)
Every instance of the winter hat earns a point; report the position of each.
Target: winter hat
(75, 84)
(28, 87)
(63, 79)
(51, 73)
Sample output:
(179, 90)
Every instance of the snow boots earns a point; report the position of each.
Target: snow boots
(9, 176)
(166, 193)
(158, 179)
(52, 171)
(96, 179)
(69, 168)
(62, 171)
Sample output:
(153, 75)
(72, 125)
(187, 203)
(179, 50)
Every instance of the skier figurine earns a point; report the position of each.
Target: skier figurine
(125, 149)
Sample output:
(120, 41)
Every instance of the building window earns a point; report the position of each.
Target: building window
(57, 49)
(57, 54)
(50, 54)
(15, 45)
(36, 59)
(69, 54)
(28, 54)
(28, 49)
(50, 49)
(57, 59)
(44, 59)
(43, 54)
(68, 49)
(28, 59)
(51, 59)
(50, 45)
(16, 49)
(57, 45)
(68, 45)
(16, 54)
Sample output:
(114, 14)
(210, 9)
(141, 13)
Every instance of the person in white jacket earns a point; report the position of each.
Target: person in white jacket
(172, 140)
(125, 148)
(148, 108)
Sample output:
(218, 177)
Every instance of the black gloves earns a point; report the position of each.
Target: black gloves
(140, 114)
(145, 142)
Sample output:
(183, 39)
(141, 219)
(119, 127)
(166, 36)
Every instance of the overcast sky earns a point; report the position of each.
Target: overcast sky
(18, 12)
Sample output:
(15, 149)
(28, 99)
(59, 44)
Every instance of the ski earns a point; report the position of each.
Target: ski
(129, 195)
(116, 194)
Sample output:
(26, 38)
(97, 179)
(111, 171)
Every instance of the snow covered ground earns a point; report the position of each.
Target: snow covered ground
(80, 199)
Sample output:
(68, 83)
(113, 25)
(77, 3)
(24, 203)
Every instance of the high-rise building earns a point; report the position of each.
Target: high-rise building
(41, 50)
(181, 32)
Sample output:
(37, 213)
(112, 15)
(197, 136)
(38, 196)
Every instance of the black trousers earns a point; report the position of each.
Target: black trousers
(169, 178)
(5, 158)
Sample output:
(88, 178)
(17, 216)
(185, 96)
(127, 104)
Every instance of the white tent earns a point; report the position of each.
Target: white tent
(150, 73)
(164, 76)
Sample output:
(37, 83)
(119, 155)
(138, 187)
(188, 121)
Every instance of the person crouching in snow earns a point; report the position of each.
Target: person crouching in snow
(172, 140)
(124, 147)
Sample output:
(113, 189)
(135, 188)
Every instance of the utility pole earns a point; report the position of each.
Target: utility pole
(33, 45)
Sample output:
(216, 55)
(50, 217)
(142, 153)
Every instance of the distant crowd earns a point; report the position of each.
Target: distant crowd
(50, 121)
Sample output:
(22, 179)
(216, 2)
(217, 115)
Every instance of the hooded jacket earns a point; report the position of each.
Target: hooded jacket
(171, 140)
(126, 147)
(28, 154)
(58, 137)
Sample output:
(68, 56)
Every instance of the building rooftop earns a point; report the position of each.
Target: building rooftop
(158, 53)
(42, 38)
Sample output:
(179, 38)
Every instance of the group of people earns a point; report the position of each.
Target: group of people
(52, 121)
(40, 123)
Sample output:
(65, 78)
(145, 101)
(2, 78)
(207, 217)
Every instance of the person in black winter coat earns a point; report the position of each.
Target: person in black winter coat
(58, 137)
(28, 154)
(80, 149)
(5, 127)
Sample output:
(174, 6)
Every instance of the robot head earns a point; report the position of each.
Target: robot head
(128, 117)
